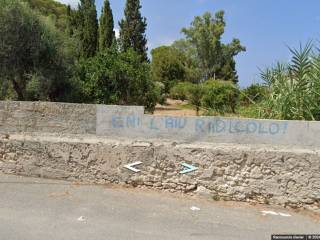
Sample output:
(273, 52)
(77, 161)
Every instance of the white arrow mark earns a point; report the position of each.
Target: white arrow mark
(188, 168)
(131, 166)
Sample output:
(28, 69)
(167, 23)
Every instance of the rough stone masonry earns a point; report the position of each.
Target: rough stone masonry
(227, 170)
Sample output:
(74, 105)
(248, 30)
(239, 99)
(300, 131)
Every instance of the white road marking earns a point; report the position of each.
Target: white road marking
(265, 213)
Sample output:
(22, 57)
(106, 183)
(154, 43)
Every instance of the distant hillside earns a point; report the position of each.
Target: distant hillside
(50, 8)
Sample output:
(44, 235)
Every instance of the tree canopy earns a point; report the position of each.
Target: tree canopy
(52, 52)
(106, 28)
(32, 53)
(56, 11)
(168, 66)
(87, 26)
(117, 78)
(133, 29)
(214, 58)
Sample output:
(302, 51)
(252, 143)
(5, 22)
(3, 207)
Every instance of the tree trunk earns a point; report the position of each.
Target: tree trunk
(197, 110)
(18, 90)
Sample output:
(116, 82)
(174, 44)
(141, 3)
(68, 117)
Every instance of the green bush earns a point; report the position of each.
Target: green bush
(34, 57)
(253, 94)
(168, 66)
(114, 77)
(220, 96)
(249, 111)
(294, 88)
(215, 96)
(195, 95)
(160, 92)
(180, 91)
(6, 90)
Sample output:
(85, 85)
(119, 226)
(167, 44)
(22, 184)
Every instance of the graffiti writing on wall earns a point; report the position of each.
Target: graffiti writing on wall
(200, 125)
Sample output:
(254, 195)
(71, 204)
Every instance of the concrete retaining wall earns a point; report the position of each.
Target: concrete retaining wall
(47, 117)
(131, 122)
(227, 172)
(238, 159)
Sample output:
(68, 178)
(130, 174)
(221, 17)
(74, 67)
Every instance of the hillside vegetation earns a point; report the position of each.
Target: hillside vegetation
(56, 11)
(50, 52)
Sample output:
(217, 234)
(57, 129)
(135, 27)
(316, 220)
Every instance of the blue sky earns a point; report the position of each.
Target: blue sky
(265, 27)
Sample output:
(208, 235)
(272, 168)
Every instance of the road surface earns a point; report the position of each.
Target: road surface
(35, 209)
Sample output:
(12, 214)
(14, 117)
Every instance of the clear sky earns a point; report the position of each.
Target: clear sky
(265, 27)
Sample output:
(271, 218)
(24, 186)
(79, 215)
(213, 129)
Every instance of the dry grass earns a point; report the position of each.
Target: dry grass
(174, 108)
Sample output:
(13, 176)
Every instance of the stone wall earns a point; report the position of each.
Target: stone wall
(210, 129)
(47, 117)
(288, 177)
(131, 122)
(265, 161)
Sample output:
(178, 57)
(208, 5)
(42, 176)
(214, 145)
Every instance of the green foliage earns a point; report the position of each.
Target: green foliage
(33, 55)
(195, 95)
(117, 78)
(215, 59)
(249, 111)
(6, 90)
(220, 96)
(36, 60)
(106, 32)
(253, 94)
(294, 88)
(214, 96)
(190, 61)
(72, 22)
(52, 9)
(87, 28)
(167, 66)
(181, 91)
(160, 92)
(187, 49)
(133, 28)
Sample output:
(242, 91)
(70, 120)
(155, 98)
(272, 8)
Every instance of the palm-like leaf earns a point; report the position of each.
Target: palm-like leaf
(294, 88)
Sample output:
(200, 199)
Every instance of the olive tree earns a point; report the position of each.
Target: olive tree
(33, 59)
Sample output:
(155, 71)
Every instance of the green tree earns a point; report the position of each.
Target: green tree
(87, 27)
(181, 91)
(220, 96)
(106, 31)
(33, 54)
(193, 73)
(70, 21)
(195, 95)
(117, 78)
(133, 28)
(253, 94)
(54, 10)
(167, 66)
(215, 59)
(227, 69)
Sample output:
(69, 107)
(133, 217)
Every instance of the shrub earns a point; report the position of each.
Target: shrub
(195, 95)
(220, 96)
(117, 78)
(180, 91)
(168, 66)
(33, 55)
(253, 94)
(160, 92)
(294, 88)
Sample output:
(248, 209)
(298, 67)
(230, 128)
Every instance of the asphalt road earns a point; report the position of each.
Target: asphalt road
(34, 209)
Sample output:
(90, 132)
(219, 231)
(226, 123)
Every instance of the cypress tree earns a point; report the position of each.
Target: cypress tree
(70, 22)
(88, 28)
(106, 32)
(133, 28)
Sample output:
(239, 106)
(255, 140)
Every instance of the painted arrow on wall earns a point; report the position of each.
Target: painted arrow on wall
(131, 166)
(188, 168)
